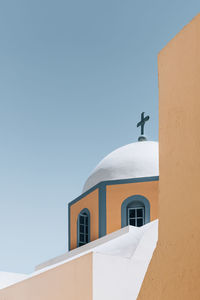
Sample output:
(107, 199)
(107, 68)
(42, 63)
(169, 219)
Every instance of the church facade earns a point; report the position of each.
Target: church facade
(115, 251)
(122, 190)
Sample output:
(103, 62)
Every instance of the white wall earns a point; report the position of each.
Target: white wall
(120, 278)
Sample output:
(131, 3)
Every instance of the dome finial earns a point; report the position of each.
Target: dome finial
(142, 123)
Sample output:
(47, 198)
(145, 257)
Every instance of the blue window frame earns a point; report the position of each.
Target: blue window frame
(135, 211)
(83, 227)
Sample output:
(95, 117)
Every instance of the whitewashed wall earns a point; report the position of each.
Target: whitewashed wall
(120, 278)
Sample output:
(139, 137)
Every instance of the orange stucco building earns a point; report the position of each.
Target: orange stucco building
(108, 193)
(112, 226)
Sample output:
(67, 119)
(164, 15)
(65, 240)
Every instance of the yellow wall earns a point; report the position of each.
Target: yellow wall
(91, 202)
(70, 281)
(174, 272)
(116, 194)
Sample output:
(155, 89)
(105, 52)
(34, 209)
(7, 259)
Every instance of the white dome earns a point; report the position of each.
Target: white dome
(131, 161)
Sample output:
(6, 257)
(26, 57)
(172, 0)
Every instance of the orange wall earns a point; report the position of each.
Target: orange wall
(70, 281)
(116, 194)
(174, 272)
(91, 202)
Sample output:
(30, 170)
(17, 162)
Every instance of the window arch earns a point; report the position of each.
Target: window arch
(83, 227)
(135, 210)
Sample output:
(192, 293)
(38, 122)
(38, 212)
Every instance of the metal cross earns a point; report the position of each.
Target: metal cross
(142, 122)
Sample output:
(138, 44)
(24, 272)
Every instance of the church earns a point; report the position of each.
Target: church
(118, 193)
(117, 247)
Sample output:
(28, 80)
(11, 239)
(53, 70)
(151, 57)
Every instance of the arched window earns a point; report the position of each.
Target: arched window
(83, 227)
(135, 211)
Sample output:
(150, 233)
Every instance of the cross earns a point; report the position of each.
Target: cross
(142, 122)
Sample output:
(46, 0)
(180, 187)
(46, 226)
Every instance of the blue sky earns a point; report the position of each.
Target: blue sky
(74, 78)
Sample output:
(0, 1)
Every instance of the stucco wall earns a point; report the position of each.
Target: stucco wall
(119, 277)
(174, 271)
(91, 202)
(116, 194)
(70, 281)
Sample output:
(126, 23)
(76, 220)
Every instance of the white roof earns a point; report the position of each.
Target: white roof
(7, 278)
(120, 262)
(134, 160)
(122, 242)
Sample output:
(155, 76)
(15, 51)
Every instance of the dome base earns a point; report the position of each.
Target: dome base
(142, 138)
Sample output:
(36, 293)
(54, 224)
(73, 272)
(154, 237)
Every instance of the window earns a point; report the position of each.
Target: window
(135, 211)
(136, 216)
(83, 227)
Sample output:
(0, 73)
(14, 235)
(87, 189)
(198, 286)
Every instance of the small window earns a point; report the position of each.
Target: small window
(135, 211)
(83, 228)
(136, 216)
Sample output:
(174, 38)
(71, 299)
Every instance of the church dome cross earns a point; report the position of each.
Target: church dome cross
(141, 124)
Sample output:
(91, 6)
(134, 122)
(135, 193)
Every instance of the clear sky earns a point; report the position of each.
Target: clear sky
(74, 78)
